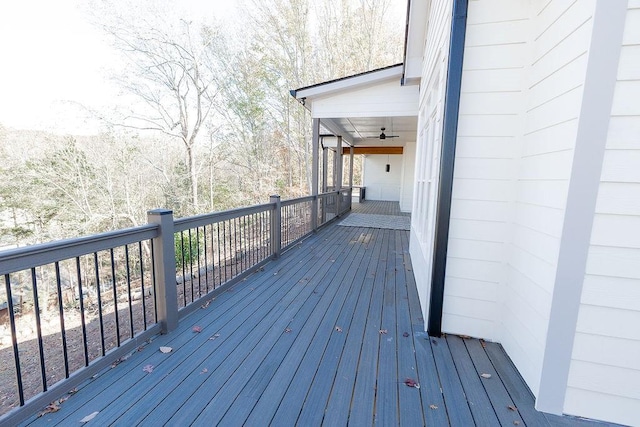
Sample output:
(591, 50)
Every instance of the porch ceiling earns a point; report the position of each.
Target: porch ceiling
(357, 107)
(365, 131)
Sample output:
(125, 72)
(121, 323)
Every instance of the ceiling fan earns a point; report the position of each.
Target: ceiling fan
(383, 135)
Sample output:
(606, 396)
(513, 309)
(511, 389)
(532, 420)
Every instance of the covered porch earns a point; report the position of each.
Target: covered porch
(328, 334)
(369, 115)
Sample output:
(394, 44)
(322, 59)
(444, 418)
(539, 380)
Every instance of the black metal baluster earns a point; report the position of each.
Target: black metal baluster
(153, 279)
(101, 321)
(198, 254)
(128, 271)
(226, 256)
(206, 263)
(144, 295)
(82, 318)
(36, 309)
(63, 332)
(184, 272)
(191, 265)
(115, 298)
(14, 338)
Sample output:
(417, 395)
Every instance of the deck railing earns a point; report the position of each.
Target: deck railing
(75, 307)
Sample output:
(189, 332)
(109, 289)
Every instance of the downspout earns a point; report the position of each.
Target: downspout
(447, 162)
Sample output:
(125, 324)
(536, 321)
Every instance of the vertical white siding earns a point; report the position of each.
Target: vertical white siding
(604, 378)
(488, 138)
(436, 53)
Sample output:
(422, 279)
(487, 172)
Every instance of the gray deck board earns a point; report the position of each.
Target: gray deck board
(477, 399)
(269, 352)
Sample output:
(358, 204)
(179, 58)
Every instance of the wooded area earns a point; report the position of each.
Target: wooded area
(205, 122)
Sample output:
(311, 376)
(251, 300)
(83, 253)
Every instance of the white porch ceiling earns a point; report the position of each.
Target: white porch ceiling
(357, 131)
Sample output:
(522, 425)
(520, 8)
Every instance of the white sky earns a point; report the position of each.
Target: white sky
(52, 60)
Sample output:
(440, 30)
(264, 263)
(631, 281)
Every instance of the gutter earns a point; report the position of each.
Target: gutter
(447, 163)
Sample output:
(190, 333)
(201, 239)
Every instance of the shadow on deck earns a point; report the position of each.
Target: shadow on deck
(331, 333)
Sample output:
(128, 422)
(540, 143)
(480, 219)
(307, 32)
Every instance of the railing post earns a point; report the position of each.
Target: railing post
(164, 265)
(276, 227)
(338, 197)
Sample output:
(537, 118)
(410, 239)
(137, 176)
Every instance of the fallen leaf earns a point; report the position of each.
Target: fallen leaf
(338, 329)
(383, 331)
(410, 382)
(73, 391)
(148, 369)
(516, 423)
(406, 334)
(433, 406)
(214, 336)
(465, 337)
(166, 349)
(140, 348)
(49, 409)
(286, 331)
(206, 304)
(512, 408)
(483, 344)
(487, 376)
(89, 417)
(204, 371)
(64, 399)
(196, 329)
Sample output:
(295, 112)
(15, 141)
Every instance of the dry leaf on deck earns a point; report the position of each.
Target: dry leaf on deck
(196, 329)
(214, 336)
(338, 329)
(286, 331)
(148, 368)
(410, 382)
(433, 406)
(204, 371)
(51, 408)
(383, 331)
(166, 349)
(512, 408)
(487, 376)
(406, 334)
(89, 417)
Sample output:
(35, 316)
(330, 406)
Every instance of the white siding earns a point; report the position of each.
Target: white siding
(408, 172)
(488, 140)
(555, 74)
(381, 185)
(604, 379)
(428, 146)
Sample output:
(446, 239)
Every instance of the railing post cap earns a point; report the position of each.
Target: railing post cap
(274, 196)
(160, 212)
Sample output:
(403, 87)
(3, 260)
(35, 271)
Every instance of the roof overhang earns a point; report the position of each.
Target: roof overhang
(356, 107)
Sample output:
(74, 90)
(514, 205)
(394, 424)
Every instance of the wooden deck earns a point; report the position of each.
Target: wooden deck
(326, 335)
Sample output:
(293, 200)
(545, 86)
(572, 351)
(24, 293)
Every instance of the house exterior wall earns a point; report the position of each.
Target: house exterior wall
(436, 53)
(489, 132)
(381, 185)
(408, 172)
(604, 375)
(553, 84)
(526, 68)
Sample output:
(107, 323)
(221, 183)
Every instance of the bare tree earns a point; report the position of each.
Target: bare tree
(168, 74)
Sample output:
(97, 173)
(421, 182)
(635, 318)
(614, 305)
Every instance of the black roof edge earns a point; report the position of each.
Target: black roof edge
(406, 39)
(293, 92)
